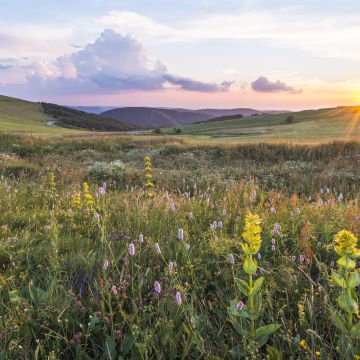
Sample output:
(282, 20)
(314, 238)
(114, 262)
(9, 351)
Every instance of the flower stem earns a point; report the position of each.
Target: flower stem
(251, 308)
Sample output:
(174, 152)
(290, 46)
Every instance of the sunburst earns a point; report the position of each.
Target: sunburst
(353, 122)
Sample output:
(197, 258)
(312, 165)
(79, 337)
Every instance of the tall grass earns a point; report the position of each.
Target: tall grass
(72, 287)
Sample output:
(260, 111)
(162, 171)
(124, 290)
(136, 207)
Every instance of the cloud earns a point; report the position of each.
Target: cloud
(193, 85)
(263, 84)
(329, 34)
(5, 67)
(112, 63)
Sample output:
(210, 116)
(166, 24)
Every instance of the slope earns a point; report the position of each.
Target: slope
(308, 126)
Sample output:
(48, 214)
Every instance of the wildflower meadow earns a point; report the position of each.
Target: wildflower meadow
(125, 248)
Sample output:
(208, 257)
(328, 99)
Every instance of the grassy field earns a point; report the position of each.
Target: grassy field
(310, 126)
(108, 254)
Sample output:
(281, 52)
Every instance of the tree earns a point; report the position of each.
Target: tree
(290, 119)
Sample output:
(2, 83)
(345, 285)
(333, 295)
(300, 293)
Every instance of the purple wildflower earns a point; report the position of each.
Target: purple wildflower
(302, 258)
(239, 306)
(273, 241)
(277, 227)
(220, 224)
(259, 256)
(272, 247)
(157, 287)
(172, 205)
(114, 290)
(231, 259)
(141, 238)
(157, 248)
(273, 210)
(178, 298)
(131, 249)
(170, 267)
(105, 264)
(101, 191)
(181, 234)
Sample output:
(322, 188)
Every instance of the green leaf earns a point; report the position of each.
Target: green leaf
(347, 303)
(354, 279)
(237, 352)
(110, 351)
(250, 265)
(37, 294)
(355, 331)
(257, 286)
(346, 263)
(338, 321)
(127, 344)
(266, 330)
(243, 286)
(339, 280)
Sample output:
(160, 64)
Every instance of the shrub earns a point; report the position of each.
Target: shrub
(101, 171)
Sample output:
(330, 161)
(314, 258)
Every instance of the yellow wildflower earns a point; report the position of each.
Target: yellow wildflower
(317, 353)
(302, 344)
(52, 182)
(345, 244)
(85, 187)
(252, 234)
(77, 201)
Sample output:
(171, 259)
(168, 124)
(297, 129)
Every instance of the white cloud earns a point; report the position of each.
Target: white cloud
(111, 64)
(320, 34)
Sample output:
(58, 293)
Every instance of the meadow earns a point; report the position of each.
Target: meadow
(307, 126)
(152, 247)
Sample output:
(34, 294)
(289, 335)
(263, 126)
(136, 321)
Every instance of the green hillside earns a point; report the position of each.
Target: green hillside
(310, 126)
(24, 116)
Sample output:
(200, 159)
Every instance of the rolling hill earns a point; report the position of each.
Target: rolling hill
(18, 115)
(243, 111)
(155, 117)
(148, 117)
(66, 117)
(307, 126)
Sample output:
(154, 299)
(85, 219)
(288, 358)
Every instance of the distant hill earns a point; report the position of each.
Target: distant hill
(243, 111)
(92, 109)
(148, 118)
(72, 118)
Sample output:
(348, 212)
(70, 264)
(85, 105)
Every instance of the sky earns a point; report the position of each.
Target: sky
(264, 54)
